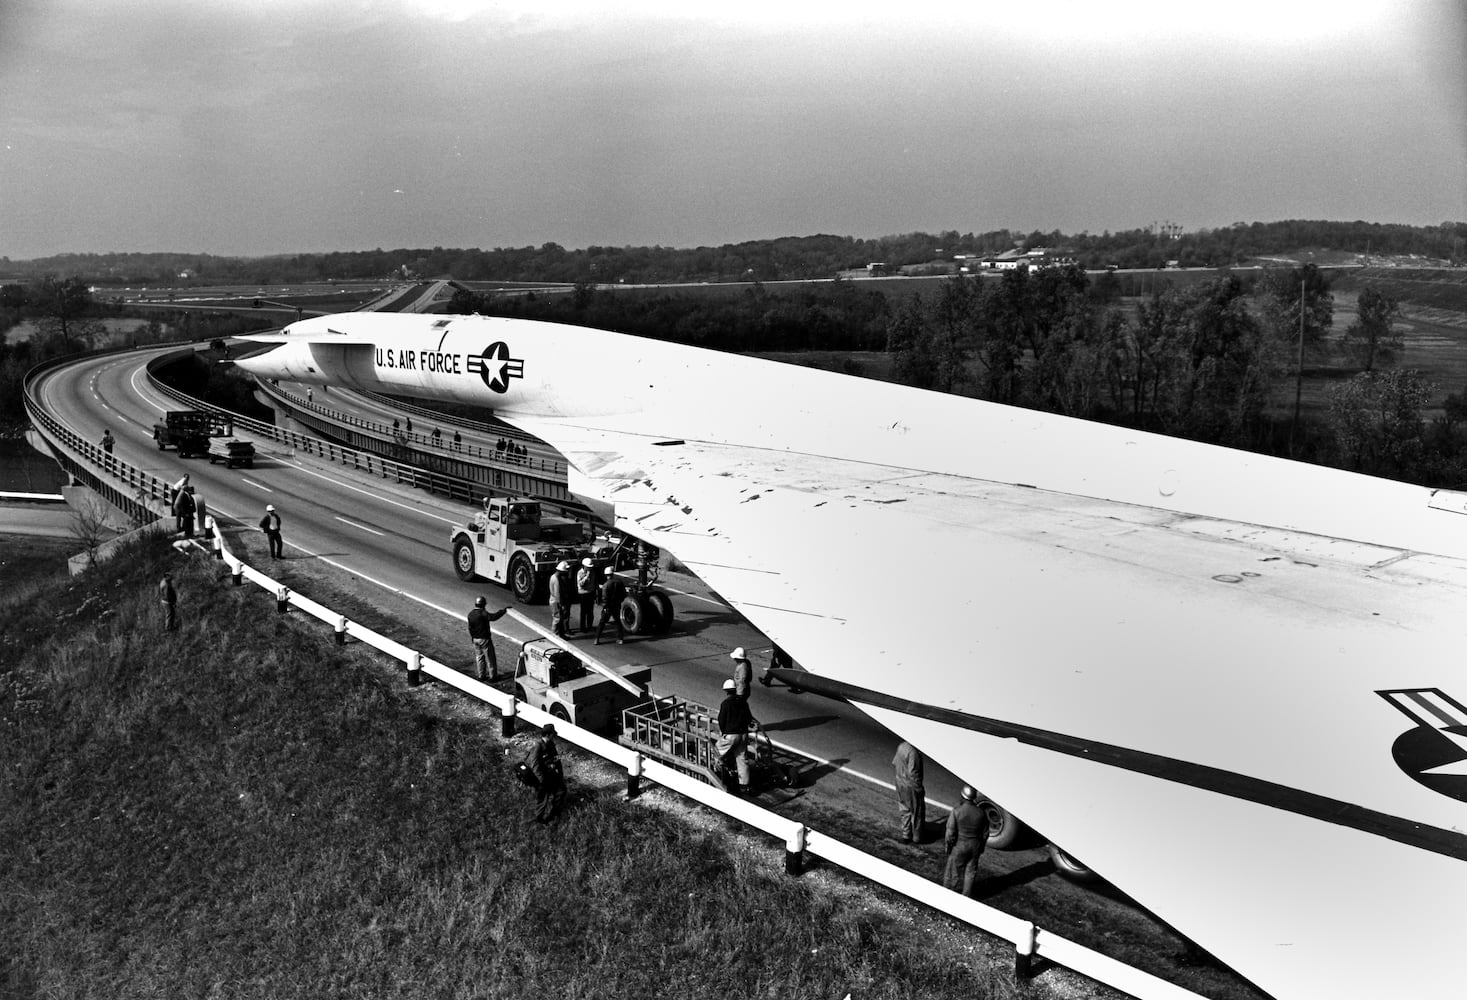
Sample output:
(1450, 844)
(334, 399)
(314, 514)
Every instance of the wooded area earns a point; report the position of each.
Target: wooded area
(788, 257)
(1213, 360)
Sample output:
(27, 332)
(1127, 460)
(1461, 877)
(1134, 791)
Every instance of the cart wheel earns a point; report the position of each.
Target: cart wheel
(791, 777)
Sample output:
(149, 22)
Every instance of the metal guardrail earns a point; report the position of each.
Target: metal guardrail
(1029, 940)
(456, 487)
(147, 495)
(404, 437)
(142, 496)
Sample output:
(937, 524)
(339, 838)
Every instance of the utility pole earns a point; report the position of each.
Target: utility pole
(1298, 371)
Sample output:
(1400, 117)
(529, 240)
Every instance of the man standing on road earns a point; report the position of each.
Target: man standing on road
(613, 591)
(911, 795)
(743, 675)
(560, 598)
(545, 763)
(586, 592)
(967, 833)
(734, 722)
(486, 665)
(270, 525)
(169, 598)
(778, 660)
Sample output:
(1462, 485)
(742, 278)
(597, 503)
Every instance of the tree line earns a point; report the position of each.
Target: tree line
(790, 257)
(69, 319)
(1214, 361)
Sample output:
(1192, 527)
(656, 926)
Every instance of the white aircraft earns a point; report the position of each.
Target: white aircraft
(1227, 683)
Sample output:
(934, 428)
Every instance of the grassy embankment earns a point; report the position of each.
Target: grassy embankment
(241, 808)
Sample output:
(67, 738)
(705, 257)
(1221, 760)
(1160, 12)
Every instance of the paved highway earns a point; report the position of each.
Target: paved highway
(396, 540)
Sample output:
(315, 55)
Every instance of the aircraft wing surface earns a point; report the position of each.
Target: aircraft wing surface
(1227, 695)
(1229, 684)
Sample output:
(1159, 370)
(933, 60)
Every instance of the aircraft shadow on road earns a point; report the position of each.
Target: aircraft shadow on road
(1031, 872)
(810, 771)
(693, 622)
(805, 722)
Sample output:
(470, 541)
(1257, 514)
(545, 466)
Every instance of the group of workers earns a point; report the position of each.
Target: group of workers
(967, 827)
(585, 591)
(966, 833)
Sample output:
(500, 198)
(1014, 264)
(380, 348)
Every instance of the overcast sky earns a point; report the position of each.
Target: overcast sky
(265, 126)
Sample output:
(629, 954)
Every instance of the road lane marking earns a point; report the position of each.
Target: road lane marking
(296, 464)
(258, 486)
(362, 526)
(145, 397)
(456, 616)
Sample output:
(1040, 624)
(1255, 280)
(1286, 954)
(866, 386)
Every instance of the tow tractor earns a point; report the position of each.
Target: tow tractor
(513, 543)
(555, 680)
(684, 735)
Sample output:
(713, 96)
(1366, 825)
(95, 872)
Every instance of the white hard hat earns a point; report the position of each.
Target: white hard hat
(729, 685)
(269, 507)
(968, 793)
(738, 654)
(563, 565)
(587, 562)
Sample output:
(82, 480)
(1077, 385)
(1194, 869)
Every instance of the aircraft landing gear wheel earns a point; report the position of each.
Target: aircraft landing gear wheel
(1069, 867)
(661, 606)
(1006, 832)
(463, 559)
(635, 615)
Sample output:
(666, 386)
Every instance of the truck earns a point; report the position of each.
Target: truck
(185, 430)
(555, 680)
(196, 432)
(231, 450)
(513, 543)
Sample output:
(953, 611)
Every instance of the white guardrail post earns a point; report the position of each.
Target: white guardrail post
(1028, 940)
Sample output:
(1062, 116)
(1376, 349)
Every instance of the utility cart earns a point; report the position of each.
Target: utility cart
(684, 734)
(555, 680)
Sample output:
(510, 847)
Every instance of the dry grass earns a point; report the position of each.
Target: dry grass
(241, 808)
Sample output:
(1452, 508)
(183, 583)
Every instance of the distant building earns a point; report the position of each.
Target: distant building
(877, 268)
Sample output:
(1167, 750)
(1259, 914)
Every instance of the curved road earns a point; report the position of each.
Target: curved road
(396, 538)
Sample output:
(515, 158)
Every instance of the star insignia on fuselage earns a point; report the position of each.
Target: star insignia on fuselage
(496, 367)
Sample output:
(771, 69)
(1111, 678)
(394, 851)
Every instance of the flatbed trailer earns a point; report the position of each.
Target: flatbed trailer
(684, 735)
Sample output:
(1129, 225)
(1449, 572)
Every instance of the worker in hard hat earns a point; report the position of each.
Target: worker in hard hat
(561, 588)
(967, 833)
(743, 672)
(586, 593)
(734, 723)
(486, 665)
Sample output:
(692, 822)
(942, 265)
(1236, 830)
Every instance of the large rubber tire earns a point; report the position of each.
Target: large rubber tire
(662, 612)
(463, 559)
(519, 693)
(1006, 832)
(635, 615)
(559, 712)
(1069, 867)
(522, 582)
